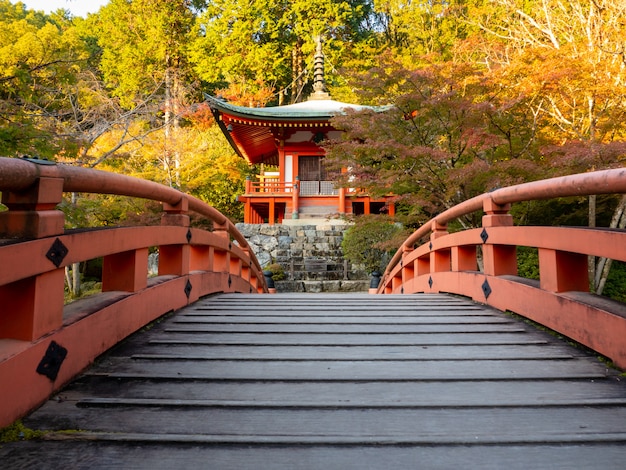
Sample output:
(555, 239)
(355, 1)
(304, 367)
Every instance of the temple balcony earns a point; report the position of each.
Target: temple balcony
(271, 200)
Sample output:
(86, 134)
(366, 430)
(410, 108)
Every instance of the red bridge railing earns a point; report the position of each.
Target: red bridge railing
(560, 300)
(43, 342)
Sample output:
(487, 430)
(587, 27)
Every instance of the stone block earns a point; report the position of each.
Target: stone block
(285, 242)
(289, 286)
(266, 242)
(314, 287)
(331, 286)
(355, 286)
(264, 258)
(269, 230)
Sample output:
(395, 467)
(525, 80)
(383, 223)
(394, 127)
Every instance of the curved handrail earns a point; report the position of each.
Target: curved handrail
(19, 174)
(585, 184)
(560, 299)
(33, 316)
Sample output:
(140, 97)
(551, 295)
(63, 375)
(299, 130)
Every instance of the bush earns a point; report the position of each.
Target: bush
(371, 241)
(527, 262)
(278, 273)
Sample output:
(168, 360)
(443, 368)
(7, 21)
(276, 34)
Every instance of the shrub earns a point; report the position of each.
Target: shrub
(371, 241)
(527, 262)
(278, 273)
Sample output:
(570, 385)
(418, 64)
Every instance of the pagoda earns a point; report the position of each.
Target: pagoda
(288, 138)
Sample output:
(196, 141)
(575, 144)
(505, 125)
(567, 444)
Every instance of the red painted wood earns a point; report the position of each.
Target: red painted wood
(560, 299)
(193, 263)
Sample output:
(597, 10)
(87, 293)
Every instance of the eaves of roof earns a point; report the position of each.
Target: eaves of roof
(312, 110)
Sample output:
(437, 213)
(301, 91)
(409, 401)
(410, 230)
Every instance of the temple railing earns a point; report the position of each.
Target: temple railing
(44, 342)
(270, 187)
(277, 187)
(434, 260)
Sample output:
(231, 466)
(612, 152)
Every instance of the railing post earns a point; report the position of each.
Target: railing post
(33, 307)
(221, 258)
(408, 268)
(497, 259)
(32, 213)
(463, 258)
(561, 271)
(176, 214)
(272, 214)
(295, 199)
(439, 259)
(126, 271)
(341, 207)
(175, 259)
(245, 268)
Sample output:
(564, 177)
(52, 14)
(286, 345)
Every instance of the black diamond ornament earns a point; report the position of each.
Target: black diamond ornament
(430, 246)
(430, 281)
(51, 362)
(484, 235)
(188, 288)
(188, 235)
(486, 289)
(230, 281)
(57, 252)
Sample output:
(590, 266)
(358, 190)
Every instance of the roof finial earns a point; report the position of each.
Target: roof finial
(319, 87)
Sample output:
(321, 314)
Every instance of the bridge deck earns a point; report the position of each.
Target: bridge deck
(334, 381)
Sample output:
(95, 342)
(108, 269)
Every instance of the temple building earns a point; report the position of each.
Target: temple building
(287, 138)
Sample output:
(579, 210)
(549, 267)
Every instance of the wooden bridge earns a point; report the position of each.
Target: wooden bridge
(430, 373)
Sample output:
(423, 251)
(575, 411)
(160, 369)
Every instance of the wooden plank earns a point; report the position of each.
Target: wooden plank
(102, 402)
(416, 426)
(361, 394)
(137, 455)
(411, 339)
(370, 310)
(342, 320)
(352, 370)
(344, 329)
(298, 310)
(325, 439)
(353, 353)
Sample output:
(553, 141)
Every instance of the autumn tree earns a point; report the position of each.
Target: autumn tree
(566, 61)
(41, 58)
(435, 145)
(144, 64)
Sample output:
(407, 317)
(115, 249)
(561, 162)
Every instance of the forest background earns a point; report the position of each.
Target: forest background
(485, 93)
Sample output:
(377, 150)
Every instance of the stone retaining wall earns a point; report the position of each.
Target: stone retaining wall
(294, 246)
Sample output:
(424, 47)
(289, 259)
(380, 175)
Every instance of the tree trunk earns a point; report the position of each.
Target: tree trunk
(592, 223)
(76, 285)
(604, 264)
(296, 66)
(68, 280)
